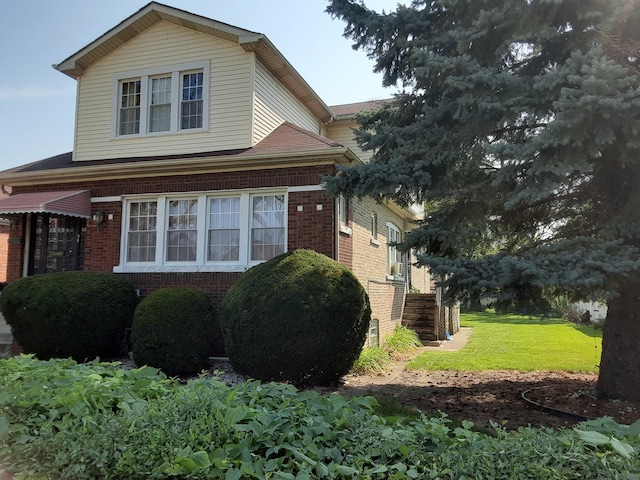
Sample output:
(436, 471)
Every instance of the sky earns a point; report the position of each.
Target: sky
(37, 103)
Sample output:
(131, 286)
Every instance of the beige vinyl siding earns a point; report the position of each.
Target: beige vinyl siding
(274, 104)
(342, 132)
(166, 44)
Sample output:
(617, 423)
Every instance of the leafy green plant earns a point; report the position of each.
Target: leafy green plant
(173, 330)
(63, 420)
(402, 341)
(82, 315)
(377, 359)
(300, 317)
(371, 360)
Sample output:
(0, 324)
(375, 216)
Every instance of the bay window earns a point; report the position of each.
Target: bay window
(205, 232)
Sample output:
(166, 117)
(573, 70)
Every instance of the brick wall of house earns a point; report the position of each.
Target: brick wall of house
(311, 216)
(15, 251)
(370, 262)
(310, 228)
(4, 250)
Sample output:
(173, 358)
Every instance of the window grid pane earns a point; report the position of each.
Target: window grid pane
(394, 255)
(182, 231)
(141, 237)
(224, 230)
(130, 108)
(191, 109)
(267, 226)
(160, 110)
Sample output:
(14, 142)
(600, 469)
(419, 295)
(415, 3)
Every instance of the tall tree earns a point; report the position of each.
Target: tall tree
(517, 124)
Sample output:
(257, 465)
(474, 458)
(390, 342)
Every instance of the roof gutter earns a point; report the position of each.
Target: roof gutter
(182, 166)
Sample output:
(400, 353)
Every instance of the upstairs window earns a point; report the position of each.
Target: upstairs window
(160, 108)
(129, 108)
(162, 100)
(191, 112)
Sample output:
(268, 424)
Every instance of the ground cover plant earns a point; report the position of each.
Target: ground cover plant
(517, 342)
(63, 420)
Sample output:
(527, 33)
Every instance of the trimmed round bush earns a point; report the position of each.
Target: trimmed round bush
(173, 330)
(300, 317)
(81, 315)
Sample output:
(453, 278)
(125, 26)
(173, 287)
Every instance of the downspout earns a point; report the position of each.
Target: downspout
(336, 228)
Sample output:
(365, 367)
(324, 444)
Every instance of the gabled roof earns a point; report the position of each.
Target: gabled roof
(155, 12)
(286, 145)
(348, 110)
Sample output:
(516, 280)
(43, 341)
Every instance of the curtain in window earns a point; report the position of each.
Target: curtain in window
(267, 226)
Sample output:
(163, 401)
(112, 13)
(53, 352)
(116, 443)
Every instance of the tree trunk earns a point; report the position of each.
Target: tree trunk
(620, 363)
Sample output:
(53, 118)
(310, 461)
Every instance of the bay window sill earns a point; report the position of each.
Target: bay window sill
(181, 268)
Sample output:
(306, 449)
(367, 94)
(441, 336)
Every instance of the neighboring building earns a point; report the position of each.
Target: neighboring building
(199, 152)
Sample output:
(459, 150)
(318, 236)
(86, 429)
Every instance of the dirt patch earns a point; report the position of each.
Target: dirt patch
(483, 397)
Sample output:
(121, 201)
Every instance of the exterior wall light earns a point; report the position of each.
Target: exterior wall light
(98, 217)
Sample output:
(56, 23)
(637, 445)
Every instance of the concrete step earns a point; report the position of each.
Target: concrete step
(6, 338)
(5, 350)
(423, 317)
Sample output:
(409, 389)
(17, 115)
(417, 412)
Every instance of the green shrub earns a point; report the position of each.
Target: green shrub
(402, 341)
(300, 317)
(173, 330)
(69, 314)
(371, 360)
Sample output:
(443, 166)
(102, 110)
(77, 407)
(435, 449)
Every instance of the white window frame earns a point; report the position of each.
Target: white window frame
(201, 264)
(374, 230)
(146, 76)
(373, 335)
(394, 257)
(343, 214)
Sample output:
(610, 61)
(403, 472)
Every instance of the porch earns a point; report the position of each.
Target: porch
(434, 322)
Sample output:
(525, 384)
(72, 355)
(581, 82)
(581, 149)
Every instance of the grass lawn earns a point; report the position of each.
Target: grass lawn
(515, 342)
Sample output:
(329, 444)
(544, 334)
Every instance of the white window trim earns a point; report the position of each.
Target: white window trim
(390, 275)
(160, 265)
(374, 230)
(343, 214)
(145, 76)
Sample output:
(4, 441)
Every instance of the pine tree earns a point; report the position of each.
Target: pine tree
(517, 124)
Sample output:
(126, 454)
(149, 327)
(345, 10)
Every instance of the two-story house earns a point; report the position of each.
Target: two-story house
(199, 152)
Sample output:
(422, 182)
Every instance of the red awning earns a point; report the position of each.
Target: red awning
(74, 203)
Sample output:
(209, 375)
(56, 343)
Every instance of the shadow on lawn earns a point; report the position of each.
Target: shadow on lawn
(512, 319)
